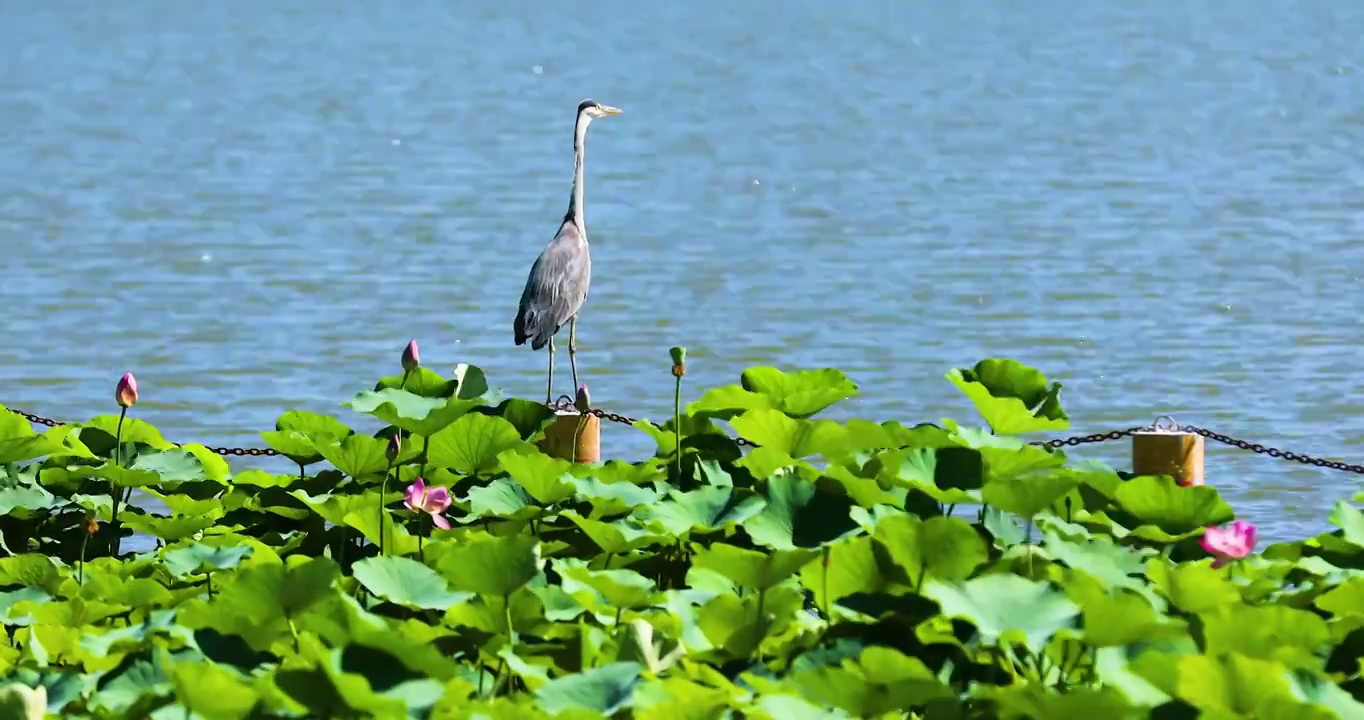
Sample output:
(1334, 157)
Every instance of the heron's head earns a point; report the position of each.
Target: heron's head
(593, 109)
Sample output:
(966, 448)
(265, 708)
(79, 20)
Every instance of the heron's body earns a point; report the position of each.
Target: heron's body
(558, 282)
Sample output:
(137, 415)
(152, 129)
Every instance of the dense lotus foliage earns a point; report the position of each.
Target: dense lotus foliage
(836, 570)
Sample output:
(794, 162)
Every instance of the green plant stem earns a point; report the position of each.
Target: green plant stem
(115, 492)
(511, 629)
(208, 578)
(80, 567)
(421, 555)
(426, 441)
(383, 493)
(677, 423)
(403, 385)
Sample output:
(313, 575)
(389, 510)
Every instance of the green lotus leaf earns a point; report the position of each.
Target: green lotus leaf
(100, 432)
(703, 510)
(260, 601)
(61, 441)
(606, 690)
(356, 455)
(798, 514)
(1032, 701)
(677, 698)
(13, 425)
(170, 529)
(425, 382)
(412, 412)
(263, 479)
(211, 691)
(1269, 632)
(29, 570)
(1006, 606)
(601, 590)
(1023, 463)
(795, 437)
(943, 548)
(471, 444)
(1113, 565)
(881, 681)
(397, 540)
(546, 479)
(948, 475)
(1233, 685)
(21, 702)
(1159, 501)
(1012, 398)
(799, 394)
(527, 416)
(750, 569)
(1350, 521)
(325, 689)
(406, 582)
(1344, 599)
(502, 498)
(200, 558)
(25, 500)
(490, 565)
(1193, 588)
(1028, 496)
(617, 537)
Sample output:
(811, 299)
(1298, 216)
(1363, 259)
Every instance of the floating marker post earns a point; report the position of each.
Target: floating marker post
(1167, 450)
(575, 434)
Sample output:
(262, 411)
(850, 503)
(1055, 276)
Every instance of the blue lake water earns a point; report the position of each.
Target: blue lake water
(254, 205)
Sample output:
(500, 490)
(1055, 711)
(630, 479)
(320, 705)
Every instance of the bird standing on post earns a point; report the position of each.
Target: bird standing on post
(557, 286)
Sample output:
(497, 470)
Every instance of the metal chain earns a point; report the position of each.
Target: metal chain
(565, 404)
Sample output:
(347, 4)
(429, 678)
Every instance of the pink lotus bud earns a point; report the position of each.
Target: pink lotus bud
(395, 446)
(582, 401)
(126, 394)
(412, 357)
(1228, 543)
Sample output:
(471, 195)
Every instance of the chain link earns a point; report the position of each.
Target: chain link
(565, 404)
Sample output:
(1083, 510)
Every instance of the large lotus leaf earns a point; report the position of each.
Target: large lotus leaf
(602, 590)
(677, 698)
(298, 432)
(1012, 397)
(546, 479)
(201, 558)
(1344, 599)
(471, 444)
(750, 569)
(849, 566)
(527, 416)
(412, 412)
(1269, 632)
(26, 500)
(327, 690)
(1157, 500)
(1193, 588)
(13, 425)
(795, 437)
(798, 514)
(260, 600)
(61, 441)
(617, 536)
(211, 691)
(923, 469)
(100, 432)
(1019, 463)
(614, 498)
(423, 381)
(372, 524)
(490, 565)
(1026, 702)
(799, 394)
(1119, 616)
(1350, 520)
(943, 548)
(501, 498)
(406, 582)
(882, 681)
(357, 455)
(1233, 686)
(865, 492)
(148, 469)
(738, 625)
(1113, 565)
(1006, 606)
(703, 510)
(21, 702)
(604, 690)
(1026, 497)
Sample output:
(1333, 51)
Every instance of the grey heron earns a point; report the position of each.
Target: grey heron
(557, 285)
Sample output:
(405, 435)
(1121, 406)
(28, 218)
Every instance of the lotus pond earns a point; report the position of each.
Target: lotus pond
(836, 570)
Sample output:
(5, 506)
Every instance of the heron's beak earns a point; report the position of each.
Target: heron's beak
(607, 109)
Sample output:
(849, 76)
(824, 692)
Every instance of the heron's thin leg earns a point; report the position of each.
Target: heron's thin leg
(573, 351)
(549, 383)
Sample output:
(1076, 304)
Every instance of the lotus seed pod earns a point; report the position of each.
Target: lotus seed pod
(126, 393)
(412, 356)
(679, 354)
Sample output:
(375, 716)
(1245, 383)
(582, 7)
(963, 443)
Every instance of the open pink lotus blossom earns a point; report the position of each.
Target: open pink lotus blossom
(126, 392)
(433, 501)
(1229, 542)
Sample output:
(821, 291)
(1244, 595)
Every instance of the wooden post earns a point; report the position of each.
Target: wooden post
(1166, 450)
(573, 437)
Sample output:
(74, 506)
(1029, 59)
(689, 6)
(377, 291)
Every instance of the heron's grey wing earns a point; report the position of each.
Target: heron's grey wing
(556, 287)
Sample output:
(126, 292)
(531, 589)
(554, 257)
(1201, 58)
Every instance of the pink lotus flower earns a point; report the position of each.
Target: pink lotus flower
(412, 357)
(1230, 542)
(432, 501)
(126, 393)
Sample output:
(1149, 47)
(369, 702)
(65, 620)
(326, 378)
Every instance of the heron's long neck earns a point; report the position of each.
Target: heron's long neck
(575, 201)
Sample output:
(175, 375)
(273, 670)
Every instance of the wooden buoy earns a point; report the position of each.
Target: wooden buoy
(1167, 450)
(573, 437)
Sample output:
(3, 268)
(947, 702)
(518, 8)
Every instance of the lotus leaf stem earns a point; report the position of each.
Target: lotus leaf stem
(115, 492)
